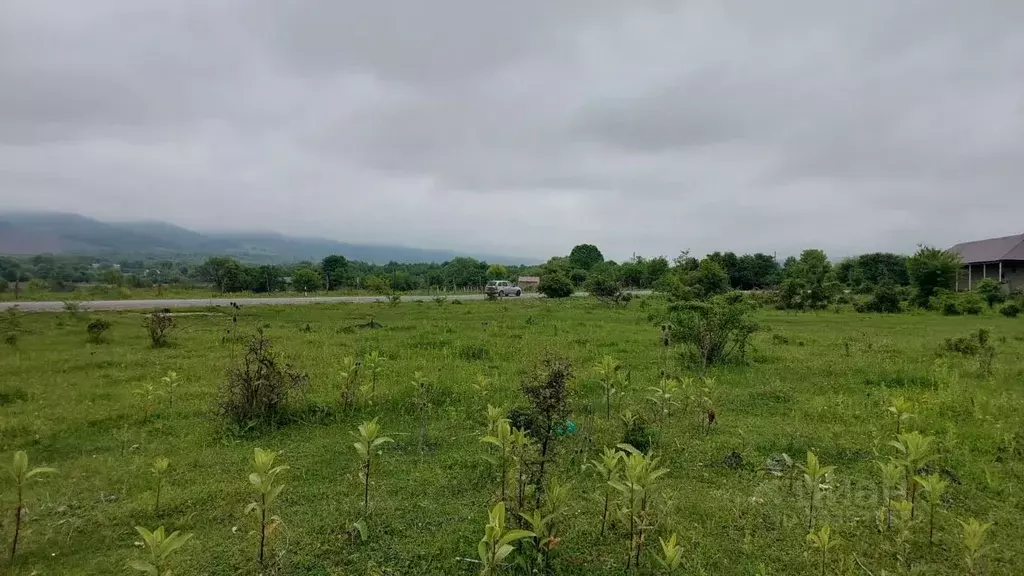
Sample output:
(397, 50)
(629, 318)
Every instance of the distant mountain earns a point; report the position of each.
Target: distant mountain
(34, 233)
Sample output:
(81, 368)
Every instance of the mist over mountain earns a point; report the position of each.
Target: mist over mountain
(23, 233)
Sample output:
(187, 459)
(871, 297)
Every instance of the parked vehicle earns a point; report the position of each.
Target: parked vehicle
(502, 288)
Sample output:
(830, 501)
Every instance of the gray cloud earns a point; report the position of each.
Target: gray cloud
(648, 126)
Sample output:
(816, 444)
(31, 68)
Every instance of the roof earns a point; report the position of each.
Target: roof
(529, 279)
(991, 250)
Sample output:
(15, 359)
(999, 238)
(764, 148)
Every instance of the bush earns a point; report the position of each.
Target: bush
(884, 300)
(1010, 310)
(970, 344)
(990, 291)
(546, 387)
(971, 304)
(97, 329)
(259, 391)
(159, 326)
(606, 290)
(555, 285)
(715, 329)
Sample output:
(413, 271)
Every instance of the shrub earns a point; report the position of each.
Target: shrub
(971, 304)
(547, 389)
(1010, 310)
(885, 299)
(606, 290)
(970, 344)
(716, 329)
(97, 329)
(946, 302)
(259, 390)
(990, 291)
(555, 285)
(159, 326)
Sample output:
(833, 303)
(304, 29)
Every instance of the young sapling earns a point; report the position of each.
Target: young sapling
(367, 446)
(21, 474)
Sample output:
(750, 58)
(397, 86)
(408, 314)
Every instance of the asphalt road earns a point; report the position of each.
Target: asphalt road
(202, 302)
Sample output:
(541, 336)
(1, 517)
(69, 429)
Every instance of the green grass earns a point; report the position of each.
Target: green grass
(826, 390)
(101, 292)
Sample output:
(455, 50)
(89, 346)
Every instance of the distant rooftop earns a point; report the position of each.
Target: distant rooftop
(991, 250)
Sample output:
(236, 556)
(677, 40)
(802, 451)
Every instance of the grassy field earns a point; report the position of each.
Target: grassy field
(182, 292)
(815, 381)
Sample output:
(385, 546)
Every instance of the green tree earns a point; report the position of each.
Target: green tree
(730, 263)
(497, 272)
(578, 277)
(555, 285)
(377, 284)
(655, 270)
(266, 278)
(809, 281)
(335, 268)
(709, 279)
(756, 271)
(226, 274)
(307, 280)
(112, 276)
(931, 269)
(633, 273)
(463, 272)
(585, 256)
(881, 267)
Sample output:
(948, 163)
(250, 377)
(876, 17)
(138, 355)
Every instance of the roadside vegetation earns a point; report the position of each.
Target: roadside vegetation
(701, 431)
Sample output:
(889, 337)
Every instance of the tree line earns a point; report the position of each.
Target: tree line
(806, 280)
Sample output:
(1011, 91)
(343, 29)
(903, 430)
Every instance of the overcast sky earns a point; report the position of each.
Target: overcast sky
(524, 127)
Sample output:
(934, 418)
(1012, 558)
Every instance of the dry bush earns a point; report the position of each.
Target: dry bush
(260, 390)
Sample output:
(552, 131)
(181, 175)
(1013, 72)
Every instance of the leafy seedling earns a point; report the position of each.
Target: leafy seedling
(890, 475)
(608, 470)
(160, 546)
(607, 371)
(915, 451)
(21, 474)
(671, 556)
(975, 549)
(170, 382)
(502, 439)
(496, 544)
(264, 481)
(368, 448)
(934, 488)
(159, 469)
(900, 409)
(816, 478)
(823, 541)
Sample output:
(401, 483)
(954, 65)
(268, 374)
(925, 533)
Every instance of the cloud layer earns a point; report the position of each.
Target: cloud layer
(526, 127)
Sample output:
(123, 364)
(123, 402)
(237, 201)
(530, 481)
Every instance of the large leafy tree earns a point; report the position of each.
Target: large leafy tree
(809, 281)
(267, 278)
(932, 269)
(556, 285)
(756, 271)
(497, 272)
(585, 256)
(463, 271)
(306, 280)
(335, 268)
(709, 279)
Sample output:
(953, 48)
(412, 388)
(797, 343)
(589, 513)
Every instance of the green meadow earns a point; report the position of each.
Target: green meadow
(820, 382)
